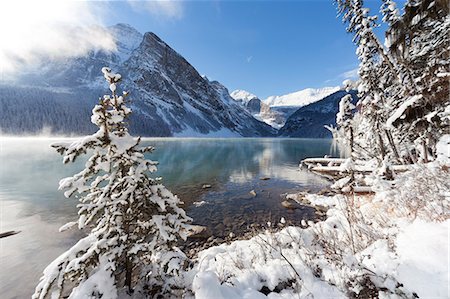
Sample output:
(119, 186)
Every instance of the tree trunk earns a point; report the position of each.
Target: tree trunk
(425, 151)
(382, 148)
(392, 144)
(128, 264)
(351, 140)
(128, 272)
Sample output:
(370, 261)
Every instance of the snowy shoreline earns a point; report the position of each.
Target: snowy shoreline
(392, 243)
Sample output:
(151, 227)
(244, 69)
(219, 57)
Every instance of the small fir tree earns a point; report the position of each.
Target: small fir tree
(133, 221)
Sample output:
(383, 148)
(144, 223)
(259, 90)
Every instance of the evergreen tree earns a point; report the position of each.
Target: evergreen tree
(375, 66)
(419, 41)
(133, 221)
(403, 88)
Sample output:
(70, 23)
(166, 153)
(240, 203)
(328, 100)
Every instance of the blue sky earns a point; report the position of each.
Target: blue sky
(265, 47)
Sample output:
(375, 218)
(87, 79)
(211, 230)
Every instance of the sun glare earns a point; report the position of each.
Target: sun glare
(35, 29)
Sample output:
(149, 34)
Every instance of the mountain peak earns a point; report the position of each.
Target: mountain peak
(127, 39)
(170, 98)
(154, 43)
(124, 26)
(243, 95)
(153, 36)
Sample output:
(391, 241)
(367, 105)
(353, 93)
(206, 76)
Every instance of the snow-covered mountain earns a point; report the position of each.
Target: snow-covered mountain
(251, 102)
(309, 121)
(258, 108)
(168, 96)
(127, 39)
(300, 98)
(275, 110)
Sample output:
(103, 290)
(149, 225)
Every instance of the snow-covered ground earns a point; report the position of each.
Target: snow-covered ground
(292, 265)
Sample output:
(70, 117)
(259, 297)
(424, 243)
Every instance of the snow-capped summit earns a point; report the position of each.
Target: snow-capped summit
(242, 95)
(301, 98)
(248, 100)
(127, 39)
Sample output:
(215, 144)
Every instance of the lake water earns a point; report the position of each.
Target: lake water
(30, 202)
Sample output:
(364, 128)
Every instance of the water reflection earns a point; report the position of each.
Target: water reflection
(30, 202)
(197, 161)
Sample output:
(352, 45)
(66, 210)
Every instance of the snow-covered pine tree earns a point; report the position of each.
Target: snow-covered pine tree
(375, 66)
(133, 221)
(419, 41)
(404, 86)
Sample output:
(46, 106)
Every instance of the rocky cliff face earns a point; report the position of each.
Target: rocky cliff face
(168, 96)
(248, 100)
(258, 108)
(309, 121)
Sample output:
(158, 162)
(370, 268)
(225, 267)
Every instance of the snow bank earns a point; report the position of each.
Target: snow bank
(243, 268)
(443, 148)
(423, 253)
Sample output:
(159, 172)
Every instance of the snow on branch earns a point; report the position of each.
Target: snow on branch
(400, 110)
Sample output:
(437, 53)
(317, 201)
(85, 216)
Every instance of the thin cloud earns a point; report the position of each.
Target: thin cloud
(249, 58)
(160, 8)
(347, 75)
(34, 30)
(351, 74)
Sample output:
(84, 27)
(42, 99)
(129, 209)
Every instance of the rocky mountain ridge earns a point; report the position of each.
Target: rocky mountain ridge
(309, 121)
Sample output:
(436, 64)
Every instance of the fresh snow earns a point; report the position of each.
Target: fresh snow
(242, 268)
(301, 98)
(443, 148)
(423, 249)
(242, 95)
(418, 260)
(126, 38)
(400, 110)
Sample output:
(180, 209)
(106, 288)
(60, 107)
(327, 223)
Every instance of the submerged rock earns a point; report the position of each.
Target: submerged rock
(199, 203)
(290, 204)
(199, 232)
